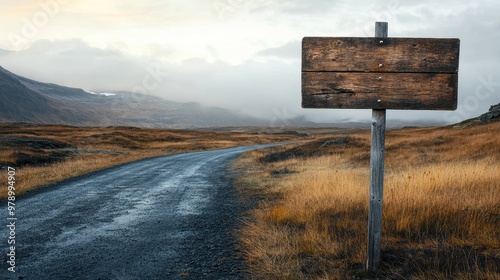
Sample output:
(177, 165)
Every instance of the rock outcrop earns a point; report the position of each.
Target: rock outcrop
(492, 115)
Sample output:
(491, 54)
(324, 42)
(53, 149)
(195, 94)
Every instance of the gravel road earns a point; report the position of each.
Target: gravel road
(170, 217)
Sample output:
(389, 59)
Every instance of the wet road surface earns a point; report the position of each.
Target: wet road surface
(170, 217)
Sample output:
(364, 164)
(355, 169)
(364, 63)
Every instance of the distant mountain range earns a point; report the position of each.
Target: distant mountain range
(25, 100)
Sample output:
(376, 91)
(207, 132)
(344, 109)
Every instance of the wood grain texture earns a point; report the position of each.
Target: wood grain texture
(407, 91)
(399, 55)
(376, 189)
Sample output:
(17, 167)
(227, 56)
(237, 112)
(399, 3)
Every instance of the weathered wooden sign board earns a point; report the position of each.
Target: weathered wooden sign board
(380, 73)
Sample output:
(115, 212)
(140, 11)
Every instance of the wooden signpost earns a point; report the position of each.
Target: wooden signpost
(379, 73)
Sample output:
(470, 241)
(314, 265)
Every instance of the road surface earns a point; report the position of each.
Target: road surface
(170, 217)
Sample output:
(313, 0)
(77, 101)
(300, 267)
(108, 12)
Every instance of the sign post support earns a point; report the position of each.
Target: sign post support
(379, 73)
(376, 175)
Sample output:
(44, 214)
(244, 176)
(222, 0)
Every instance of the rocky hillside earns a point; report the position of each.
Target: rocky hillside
(493, 115)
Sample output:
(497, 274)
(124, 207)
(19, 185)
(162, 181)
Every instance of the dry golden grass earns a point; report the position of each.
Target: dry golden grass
(441, 216)
(90, 149)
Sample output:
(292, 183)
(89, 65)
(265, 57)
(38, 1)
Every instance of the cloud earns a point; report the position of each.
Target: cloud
(4, 52)
(74, 63)
(305, 8)
(291, 50)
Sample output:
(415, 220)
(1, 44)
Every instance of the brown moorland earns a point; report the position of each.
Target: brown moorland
(441, 213)
(46, 154)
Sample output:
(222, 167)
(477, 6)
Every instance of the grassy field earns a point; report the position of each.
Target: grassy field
(45, 154)
(441, 213)
(441, 194)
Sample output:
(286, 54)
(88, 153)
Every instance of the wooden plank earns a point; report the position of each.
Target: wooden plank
(407, 91)
(399, 55)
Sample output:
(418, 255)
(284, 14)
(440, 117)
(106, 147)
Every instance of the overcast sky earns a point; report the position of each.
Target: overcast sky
(241, 55)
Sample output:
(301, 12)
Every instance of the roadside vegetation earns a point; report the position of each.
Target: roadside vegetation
(441, 213)
(46, 154)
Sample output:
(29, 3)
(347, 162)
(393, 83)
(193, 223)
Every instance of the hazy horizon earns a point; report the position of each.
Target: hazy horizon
(234, 54)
